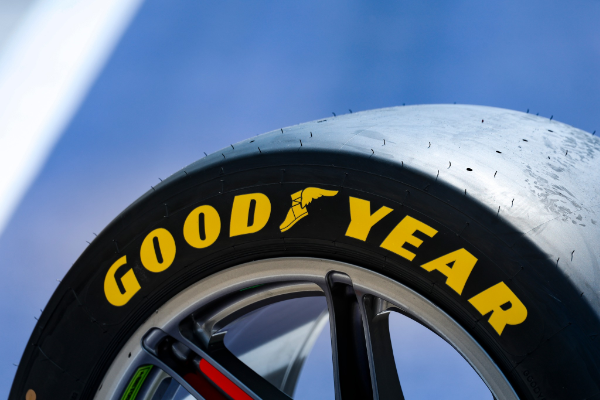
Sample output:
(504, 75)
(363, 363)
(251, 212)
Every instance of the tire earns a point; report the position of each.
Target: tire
(507, 199)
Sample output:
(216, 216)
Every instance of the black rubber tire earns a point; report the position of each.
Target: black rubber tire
(468, 172)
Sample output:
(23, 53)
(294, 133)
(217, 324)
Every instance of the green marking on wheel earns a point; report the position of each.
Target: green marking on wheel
(136, 382)
(250, 287)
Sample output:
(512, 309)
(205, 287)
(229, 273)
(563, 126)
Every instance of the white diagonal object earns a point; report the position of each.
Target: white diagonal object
(46, 67)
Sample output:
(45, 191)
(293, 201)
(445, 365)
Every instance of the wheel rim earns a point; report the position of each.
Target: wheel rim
(358, 301)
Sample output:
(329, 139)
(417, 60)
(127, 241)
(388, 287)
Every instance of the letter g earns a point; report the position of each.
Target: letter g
(129, 281)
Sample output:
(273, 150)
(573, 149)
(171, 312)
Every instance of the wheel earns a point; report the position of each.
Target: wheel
(477, 223)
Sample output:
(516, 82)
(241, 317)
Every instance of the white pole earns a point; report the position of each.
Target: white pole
(46, 68)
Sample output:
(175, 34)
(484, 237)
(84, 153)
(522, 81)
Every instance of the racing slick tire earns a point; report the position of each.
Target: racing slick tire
(490, 215)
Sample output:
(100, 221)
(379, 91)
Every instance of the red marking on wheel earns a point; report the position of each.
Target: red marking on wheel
(203, 386)
(223, 382)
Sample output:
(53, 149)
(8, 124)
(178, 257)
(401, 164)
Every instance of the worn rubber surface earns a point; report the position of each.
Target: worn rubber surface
(517, 192)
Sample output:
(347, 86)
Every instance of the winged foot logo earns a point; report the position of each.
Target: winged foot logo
(299, 202)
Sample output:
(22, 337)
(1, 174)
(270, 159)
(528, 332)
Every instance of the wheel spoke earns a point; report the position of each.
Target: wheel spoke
(350, 357)
(197, 370)
(201, 332)
(246, 375)
(151, 343)
(376, 315)
(229, 365)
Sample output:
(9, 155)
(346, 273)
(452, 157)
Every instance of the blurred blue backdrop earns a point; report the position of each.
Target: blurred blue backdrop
(193, 76)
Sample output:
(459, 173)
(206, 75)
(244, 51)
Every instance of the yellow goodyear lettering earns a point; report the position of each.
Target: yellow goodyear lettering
(211, 227)
(493, 299)
(361, 219)
(158, 250)
(404, 233)
(458, 274)
(243, 221)
(129, 281)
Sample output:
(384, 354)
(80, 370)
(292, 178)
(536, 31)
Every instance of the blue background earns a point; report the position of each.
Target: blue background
(191, 76)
